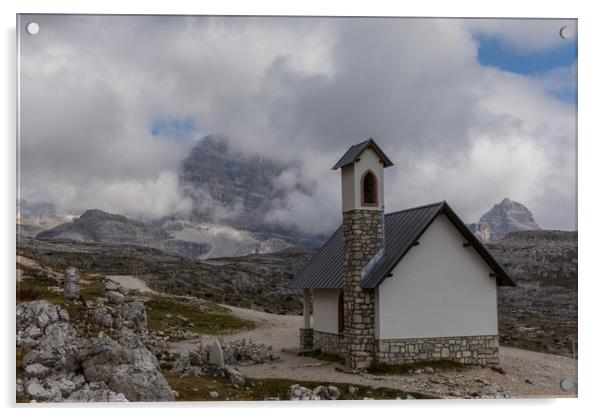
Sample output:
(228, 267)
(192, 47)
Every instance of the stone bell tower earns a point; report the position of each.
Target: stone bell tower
(362, 173)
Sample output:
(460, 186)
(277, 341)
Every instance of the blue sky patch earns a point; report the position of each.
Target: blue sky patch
(177, 128)
(494, 53)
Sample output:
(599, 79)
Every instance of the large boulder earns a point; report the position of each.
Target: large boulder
(216, 354)
(57, 349)
(133, 315)
(37, 314)
(131, 371)
(115, 297)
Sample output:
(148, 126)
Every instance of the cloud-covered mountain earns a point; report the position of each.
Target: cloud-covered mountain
(301, 89)
(506, 217)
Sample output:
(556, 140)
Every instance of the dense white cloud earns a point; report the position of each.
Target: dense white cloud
(295, 89)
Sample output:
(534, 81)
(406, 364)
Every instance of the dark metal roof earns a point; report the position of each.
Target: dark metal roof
(354, 151)
(402, 230)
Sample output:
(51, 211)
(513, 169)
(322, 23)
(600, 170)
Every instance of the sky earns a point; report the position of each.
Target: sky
(469, 110)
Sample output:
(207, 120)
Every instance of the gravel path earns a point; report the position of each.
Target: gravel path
(528, 373)
(131, 283)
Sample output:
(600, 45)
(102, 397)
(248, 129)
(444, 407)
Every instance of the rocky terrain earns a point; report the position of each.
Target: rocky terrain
(83, 338)
(506, 217)
(257, 281)
(541, 312)
(98, 226)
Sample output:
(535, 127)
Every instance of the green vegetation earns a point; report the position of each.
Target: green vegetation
(324, 356)
(443, 365)
(35, 287)
(197, 388)
(166, 313)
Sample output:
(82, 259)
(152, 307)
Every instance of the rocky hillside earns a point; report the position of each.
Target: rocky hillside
(257, 281)
(34, 217)
(541, 312)
(506, 217)
(102, 227)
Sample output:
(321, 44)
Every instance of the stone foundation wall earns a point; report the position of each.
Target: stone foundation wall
(474, 350)
(306, 338)
(329, 343)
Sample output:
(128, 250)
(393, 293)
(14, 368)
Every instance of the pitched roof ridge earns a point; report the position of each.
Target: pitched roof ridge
(418, 207)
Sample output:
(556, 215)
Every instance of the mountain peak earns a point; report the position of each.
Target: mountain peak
(506, 217)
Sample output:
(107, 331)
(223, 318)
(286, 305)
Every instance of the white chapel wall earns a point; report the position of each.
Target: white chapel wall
(440, 288)
(326, 303)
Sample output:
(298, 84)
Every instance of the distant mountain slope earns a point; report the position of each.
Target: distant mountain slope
(102, 227)
(541, 312)
(506, 217)
(39, 215)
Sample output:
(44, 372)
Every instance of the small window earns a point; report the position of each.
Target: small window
(369, 189)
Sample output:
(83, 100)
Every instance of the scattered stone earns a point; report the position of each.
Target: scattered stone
(183, 364)
(96, 392)
(213, 394)
(298, 392)
(63, 315)
(36, 370)
(419, 371)
(429, 370)
(216, 354)
(116, 297)
(333, 393)
(72, 291)
(111, 286)
(134, 316)
(353, 390)
(236, 377)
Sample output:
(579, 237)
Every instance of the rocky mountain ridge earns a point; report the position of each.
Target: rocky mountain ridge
(102, 227)
(506, 217)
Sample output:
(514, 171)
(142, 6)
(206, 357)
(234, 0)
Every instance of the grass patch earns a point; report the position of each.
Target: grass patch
(91, 289)
(442, 365)
(324, 356)
(166, 314)
(32, 288)
(197, 388)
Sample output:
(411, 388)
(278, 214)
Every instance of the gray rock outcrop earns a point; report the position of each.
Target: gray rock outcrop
(298, 392)
(506, 217)
(71, 290)
(60, 365)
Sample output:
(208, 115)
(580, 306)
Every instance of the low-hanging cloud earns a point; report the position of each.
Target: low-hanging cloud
(299, 90)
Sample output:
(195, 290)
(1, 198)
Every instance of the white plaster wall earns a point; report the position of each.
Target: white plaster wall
(326, 302)
(348, 187)
(439, 288)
